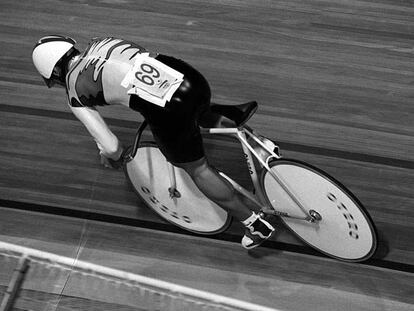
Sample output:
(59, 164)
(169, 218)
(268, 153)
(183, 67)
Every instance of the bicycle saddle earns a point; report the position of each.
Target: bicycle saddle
(240, 114)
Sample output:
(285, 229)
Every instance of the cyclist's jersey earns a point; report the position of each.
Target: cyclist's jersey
(169, 93)
(96, 76)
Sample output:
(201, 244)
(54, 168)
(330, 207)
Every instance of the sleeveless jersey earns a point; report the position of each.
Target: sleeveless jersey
(96, 76)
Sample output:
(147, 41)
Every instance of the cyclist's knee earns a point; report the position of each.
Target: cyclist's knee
(210, 182)
(194, 168)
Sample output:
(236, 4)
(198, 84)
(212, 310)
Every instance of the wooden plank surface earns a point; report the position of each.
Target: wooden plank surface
(72, 179)
(277, 279)
(334, 81)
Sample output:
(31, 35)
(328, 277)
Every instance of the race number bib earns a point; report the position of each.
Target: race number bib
(152, 80)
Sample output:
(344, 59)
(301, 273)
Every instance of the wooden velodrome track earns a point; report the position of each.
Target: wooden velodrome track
(335, 84)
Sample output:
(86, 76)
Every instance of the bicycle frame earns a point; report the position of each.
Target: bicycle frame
(242, 134)
(283, 187)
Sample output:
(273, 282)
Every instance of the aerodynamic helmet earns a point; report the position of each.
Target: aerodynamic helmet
(49, 52)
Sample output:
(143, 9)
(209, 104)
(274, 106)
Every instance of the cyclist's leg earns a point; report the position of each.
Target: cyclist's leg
(175, 129)
(220, 191)
(216, 188)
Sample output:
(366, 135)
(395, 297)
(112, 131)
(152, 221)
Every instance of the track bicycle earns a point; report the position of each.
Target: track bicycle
(317, 208)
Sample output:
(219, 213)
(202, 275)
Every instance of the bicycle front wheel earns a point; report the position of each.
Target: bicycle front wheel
(345, 230)
(190, 209)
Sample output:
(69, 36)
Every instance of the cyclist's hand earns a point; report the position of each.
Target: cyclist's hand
(110, 163)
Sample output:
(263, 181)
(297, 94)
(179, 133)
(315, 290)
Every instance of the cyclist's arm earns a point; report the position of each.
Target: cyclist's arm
(107, 142)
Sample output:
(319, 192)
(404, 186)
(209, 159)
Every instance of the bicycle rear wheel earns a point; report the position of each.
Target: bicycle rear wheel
(192, 211)
(345, 231)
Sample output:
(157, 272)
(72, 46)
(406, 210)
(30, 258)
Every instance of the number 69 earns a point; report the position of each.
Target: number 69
(147, 75)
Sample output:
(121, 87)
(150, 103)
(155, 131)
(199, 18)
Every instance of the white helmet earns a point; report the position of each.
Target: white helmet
(48, 51)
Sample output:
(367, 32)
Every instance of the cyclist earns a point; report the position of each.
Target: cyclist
(171, 95)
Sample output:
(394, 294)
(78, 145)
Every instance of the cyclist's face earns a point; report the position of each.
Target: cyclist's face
(56, 71)
(56, 78)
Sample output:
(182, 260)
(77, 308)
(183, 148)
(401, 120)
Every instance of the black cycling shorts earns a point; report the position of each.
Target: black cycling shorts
(175, 127)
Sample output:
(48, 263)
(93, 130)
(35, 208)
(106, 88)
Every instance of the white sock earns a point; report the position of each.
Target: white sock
(251, 219)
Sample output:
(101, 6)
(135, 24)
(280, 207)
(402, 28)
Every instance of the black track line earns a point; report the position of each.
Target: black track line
(53, 210)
